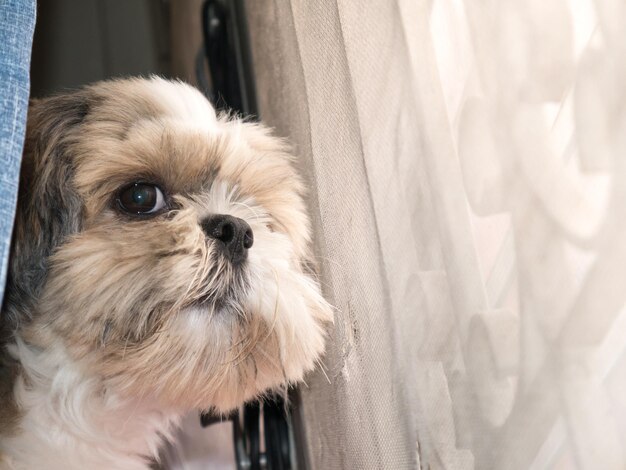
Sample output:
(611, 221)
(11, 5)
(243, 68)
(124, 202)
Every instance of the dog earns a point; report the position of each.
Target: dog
(161, 263)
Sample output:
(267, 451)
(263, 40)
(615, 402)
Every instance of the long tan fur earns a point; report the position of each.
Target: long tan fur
(114, 322)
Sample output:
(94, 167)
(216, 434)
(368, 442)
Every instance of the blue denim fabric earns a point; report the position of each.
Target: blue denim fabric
(17, 24)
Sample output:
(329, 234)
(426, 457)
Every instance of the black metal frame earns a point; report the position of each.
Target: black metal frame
(227, 49)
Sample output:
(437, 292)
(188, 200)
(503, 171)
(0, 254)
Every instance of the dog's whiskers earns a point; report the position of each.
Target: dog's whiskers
(323, 369)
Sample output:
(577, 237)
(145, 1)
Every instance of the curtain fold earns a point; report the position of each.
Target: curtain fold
(311, 73)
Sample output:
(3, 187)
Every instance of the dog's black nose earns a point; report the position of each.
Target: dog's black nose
(235, 235)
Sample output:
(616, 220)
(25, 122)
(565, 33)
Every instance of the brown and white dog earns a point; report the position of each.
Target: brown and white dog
(159, 265)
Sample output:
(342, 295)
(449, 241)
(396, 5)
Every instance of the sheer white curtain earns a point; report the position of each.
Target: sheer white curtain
(468, 172)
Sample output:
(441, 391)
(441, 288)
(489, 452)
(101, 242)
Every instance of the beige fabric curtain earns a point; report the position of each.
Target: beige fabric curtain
(467, 171)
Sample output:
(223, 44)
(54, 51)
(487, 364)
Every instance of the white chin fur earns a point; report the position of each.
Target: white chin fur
(291, 308)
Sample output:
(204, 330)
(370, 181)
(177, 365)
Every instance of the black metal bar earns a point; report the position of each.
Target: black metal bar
(228, 53)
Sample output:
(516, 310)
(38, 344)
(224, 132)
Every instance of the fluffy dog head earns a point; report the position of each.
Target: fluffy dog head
(164, 247)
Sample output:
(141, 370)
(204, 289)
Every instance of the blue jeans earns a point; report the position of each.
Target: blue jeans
(17, 23)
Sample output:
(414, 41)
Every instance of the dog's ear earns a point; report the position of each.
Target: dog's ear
(49, 209)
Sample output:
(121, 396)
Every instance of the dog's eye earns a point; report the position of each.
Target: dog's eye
(141, 198)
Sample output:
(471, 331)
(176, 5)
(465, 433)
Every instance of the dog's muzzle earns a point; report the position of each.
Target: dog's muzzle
(232, 234)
